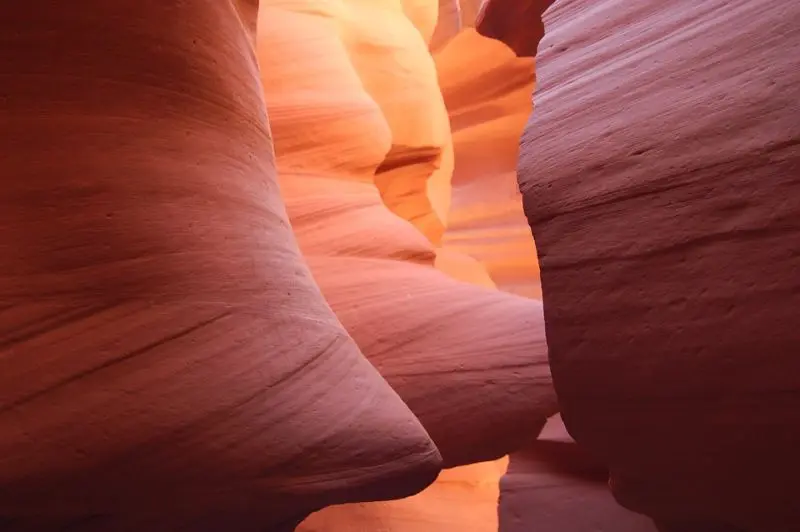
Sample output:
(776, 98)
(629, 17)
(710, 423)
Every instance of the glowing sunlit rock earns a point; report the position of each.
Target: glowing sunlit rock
(487, 90)
(470, 361)
(463, 499)
(365, 158)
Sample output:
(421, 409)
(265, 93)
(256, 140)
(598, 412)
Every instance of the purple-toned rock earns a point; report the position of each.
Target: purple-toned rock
(661, 177)
(555, 486)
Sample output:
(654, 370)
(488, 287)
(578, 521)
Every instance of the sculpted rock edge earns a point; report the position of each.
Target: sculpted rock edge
(470, 361)
(365, 148)
(167, 360)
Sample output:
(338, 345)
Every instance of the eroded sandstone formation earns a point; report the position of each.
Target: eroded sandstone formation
(166, 357)
(168, 362)
(174, 258)
(366, 154)
(661, 177)
(487, 91)
(470, 361)
(554, 485)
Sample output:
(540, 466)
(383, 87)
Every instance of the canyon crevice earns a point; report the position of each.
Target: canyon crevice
(270, 265)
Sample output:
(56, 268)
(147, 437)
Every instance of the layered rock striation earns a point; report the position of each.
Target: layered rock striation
(470, 361)
(661, 178)
(167, 360)
(257, 260)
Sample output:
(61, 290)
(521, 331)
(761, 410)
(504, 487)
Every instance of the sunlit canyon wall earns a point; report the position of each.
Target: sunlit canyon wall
(371, 171)
(258, 261)
(632, 74)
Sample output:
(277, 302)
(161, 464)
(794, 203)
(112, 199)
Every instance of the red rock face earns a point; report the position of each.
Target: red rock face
(661, 177)
(167, 361)
(518, 23)
(166, 357)
(470, 361)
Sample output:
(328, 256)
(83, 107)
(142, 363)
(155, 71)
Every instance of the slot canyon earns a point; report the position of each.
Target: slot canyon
(400, 266)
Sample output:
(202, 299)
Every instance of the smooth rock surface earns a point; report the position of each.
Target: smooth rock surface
(553, 485)
(467, 361)
(695, 527)
(470, 361)
(661, 178)
(365, 158)
(487, 91)
(166, 358)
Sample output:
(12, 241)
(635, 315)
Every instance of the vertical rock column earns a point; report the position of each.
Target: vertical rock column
(661, 177)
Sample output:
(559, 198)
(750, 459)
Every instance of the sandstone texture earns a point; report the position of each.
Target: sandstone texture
(165, 352)
(553, 485)
(362, 118)
(365, 156)
(661, 178)
(487, 91)
(162, 333)
(268, 266)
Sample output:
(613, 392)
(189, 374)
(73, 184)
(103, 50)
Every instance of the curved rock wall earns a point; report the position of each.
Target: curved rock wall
(166, 358)
(487, 90)
(661, 177)
(470, 361)
(365, 156)
(174, 356)
(553, 485)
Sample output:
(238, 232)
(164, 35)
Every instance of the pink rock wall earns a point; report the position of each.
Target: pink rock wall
(167, 360)
(175, 356)
(661, 177)
(470, 361)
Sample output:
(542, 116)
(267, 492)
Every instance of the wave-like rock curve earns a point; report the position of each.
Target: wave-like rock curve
(167, 360)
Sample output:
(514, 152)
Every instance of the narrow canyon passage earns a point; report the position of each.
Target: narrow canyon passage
(270, 265)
